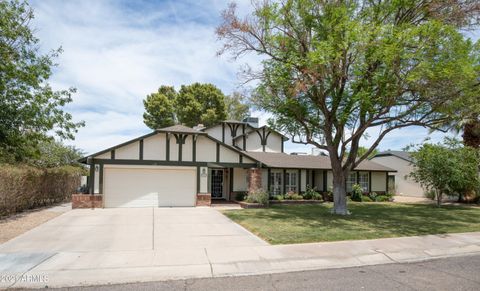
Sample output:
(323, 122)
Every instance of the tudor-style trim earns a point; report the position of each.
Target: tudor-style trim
(233, 128)
(218, 152)
(357, 177)
(100, 179)
(284, 181)
(180, 140)
(325, 180)
(92, 179)
(223, 132)
(263, 137)
(231, 147)
(198, 179)
(112, 154)
(140, 149)
(282, 149)
(244, 138)
(386, 182)
(173, 163)
(313, 179)
(240, 158)
(307, 178)
(167, 146)
(230, 183)
(194, 148)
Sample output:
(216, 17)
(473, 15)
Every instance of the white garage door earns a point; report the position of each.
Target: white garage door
(132, 186)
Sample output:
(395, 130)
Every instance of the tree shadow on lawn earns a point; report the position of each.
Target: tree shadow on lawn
(369, 220)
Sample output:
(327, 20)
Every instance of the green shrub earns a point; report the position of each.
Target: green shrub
(26, 187)
(373, 195)
(278, 197)
(430, 194)
(257, 196)
(382, 198)
(357, 193)
(240, 196)
(293, 196)
(312, 194)
(366, 198)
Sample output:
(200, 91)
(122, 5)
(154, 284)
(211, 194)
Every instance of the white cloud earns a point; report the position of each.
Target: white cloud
(115, 53)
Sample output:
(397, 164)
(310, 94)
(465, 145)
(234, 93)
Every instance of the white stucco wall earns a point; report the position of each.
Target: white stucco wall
(228, 156)
(240, 179)
(106, 155)
(154, 147)
(379, 182)
(128, 152)
(187, 149)
(253, 142)
(403, 185)
(206, 150)
(215, 132)
(274, 143)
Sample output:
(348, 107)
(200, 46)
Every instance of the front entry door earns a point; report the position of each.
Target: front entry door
(217, 183)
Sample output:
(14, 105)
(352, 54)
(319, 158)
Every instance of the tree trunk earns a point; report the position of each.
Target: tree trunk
(439, 198)
(339, 193)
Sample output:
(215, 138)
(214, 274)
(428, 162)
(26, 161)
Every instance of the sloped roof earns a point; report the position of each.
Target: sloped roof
(399, 154)
(282, 160)
(180, 129)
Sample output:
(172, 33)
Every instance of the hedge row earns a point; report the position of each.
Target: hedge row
(26, 187)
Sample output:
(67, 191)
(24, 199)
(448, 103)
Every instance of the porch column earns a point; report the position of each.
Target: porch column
(254, 179)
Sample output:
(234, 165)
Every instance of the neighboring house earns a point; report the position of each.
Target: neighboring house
(182, 166)
(401, 162)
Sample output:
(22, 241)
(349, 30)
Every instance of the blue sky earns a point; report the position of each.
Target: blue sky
(117, 52)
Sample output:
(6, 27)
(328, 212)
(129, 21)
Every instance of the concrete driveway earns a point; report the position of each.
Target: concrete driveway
(131, 241)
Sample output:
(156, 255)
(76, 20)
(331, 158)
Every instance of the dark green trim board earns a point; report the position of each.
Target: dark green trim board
(284, 181)
(180, 140)
(218, 153)
(233, 128)
(230, 183)
(198, 179)
(386, 182)
(140, 145)
(269, 179)
(307, 177)
(357, 176)
(282, 146)
(370, 181)
(325, 179)
(244, 138)
(173, 163)
(167, 148)
(223, 132)
(299, 180)
(313, 178)
(194, 148)
(240, 158)
(263, 137)
(92, 179)
(112, 155)
(100, 179)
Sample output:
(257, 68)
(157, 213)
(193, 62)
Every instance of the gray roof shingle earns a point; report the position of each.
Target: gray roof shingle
(282, 160)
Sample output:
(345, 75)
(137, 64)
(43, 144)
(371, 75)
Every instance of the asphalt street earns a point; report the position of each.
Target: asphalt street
(454, 273)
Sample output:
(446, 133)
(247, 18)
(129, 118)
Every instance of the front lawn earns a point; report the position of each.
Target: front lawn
(285, 224)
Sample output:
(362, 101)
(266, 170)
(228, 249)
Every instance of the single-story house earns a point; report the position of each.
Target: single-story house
(399, 181)
(183, 166)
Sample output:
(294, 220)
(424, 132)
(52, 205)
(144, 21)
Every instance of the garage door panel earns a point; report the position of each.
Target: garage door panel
(149, 187)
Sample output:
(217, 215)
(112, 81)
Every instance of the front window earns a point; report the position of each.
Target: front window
(363, 178)
(275, 183)
(351, 180)
(291, 182)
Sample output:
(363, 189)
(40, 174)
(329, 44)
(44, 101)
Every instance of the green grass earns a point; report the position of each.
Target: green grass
(285, 224)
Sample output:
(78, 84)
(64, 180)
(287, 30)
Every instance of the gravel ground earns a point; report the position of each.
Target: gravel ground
(17, 224)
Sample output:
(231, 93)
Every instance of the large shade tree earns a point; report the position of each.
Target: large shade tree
(30, 110)
(334, 72)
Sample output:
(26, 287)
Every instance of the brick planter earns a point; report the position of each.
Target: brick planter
(204, 199)
(87, 201)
